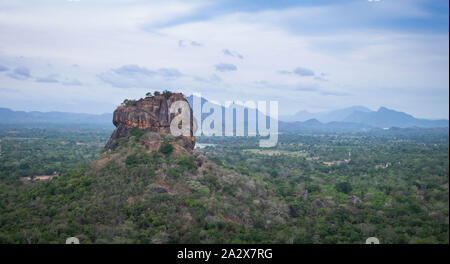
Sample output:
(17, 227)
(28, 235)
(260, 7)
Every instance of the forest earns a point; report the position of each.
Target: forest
(311, 188)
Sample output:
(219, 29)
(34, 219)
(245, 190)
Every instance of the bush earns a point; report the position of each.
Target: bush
(344, 187)
(174, 173)
(198, 187)
(137, 132)
(167, 94)
(166, 147)
(101, 151)
(273, 172)
(312, 188)
(131, 160)
(186, 164)
(129, 102)
(217, 161)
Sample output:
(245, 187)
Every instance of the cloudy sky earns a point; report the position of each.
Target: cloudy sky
(87, 56)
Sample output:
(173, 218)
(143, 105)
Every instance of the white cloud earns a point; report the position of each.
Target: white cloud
(366, 63)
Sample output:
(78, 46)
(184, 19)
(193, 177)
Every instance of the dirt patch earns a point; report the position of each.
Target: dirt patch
(40, 177)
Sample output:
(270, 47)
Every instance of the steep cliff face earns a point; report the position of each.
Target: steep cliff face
(152, 115)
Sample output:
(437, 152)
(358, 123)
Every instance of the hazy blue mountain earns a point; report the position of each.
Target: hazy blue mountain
(309, 125)
(325, 117)
(230, 122)
(383, 118)
(312, 123)
(8, 116)
(342, 114)
(300, 116)
(386, 118)
(356, 118)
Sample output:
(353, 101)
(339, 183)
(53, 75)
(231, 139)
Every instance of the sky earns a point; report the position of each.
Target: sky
(88, 56)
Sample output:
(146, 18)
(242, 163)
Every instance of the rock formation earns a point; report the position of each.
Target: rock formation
(318, 203)
(354, 199)
(150, 114)
(302, 193)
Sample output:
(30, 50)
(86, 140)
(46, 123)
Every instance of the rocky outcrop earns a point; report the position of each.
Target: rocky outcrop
(150, 114)
(318, 203)
(354, 199)
(302, 193)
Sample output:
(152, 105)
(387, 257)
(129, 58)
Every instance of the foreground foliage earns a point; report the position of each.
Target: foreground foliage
(394, 187)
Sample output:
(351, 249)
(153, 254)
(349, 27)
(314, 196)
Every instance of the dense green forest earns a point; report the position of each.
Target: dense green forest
(40, 151)
(310, 188)
(394, 185)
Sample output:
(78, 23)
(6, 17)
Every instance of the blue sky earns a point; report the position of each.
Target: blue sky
(87, 56)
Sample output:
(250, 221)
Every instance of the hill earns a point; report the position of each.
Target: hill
(355, 118)
(8, 116)
(386, 118)
(146, 187)
(324, 117)
(362, 118)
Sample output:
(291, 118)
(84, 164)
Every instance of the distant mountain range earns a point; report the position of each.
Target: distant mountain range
(8, 116)
(355, 118)
(325, 117)
(361, 116)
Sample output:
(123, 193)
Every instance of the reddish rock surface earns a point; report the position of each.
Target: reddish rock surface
(150, 114)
